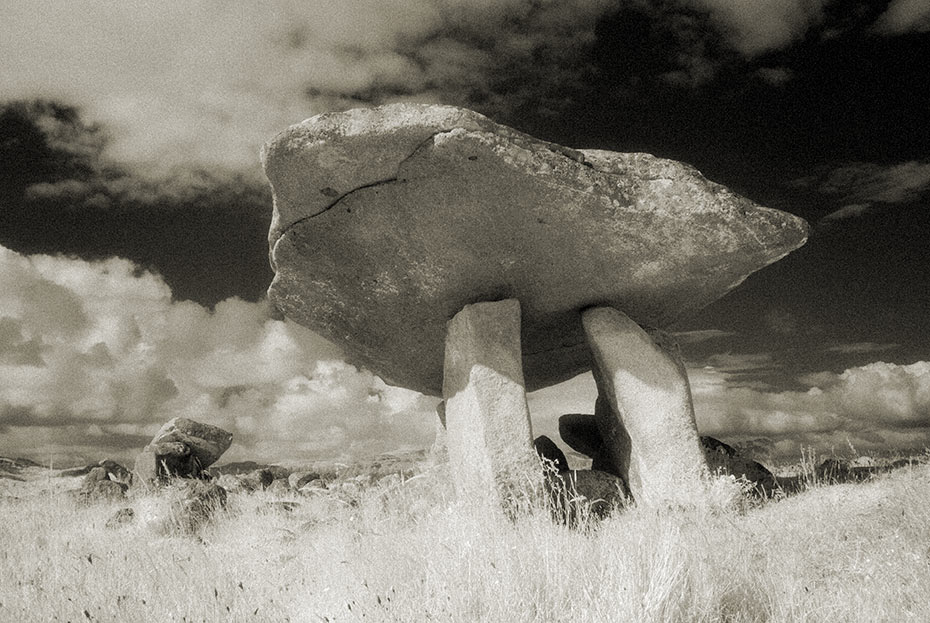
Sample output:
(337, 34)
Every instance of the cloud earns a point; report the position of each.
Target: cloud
(775, 76)
(781, 321)
(903, 16)
(853, 210)
(102, 351)
(700, 335)
(879, 404)
(857, 348)
(868, 182)
(207, 82)
(754, 28)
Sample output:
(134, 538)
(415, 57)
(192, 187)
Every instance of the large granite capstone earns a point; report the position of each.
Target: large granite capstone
(388, 221)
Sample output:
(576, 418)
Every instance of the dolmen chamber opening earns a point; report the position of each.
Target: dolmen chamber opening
(461, 258)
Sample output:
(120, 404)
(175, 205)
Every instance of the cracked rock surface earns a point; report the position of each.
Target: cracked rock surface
(388, 221)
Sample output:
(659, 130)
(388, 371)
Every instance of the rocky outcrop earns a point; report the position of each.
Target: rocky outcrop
(257, 480)
(182, 448)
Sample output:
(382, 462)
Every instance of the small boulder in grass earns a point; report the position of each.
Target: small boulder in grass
(98, 485)
(722, 457)
(834, 469)
(548, 450)
(587, 492)
(296, 480)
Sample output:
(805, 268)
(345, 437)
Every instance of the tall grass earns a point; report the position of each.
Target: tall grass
(407, 551)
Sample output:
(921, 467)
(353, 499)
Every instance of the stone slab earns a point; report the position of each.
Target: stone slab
(388, 221)
(644, 411)
(487, 419)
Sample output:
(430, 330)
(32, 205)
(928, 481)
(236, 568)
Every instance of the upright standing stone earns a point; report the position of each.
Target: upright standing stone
(644, 410)
(487, 419)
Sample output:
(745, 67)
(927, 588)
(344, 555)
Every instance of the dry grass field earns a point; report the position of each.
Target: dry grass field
(403, 550)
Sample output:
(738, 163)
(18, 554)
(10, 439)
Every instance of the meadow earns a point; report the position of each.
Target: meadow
(403, 549)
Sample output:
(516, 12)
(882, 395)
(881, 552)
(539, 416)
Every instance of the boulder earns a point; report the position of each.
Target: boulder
(257, 480)
(587, 492)
(279, 486)
(116, 472)
(101, 491)
(313, 487)
(98, 487)
(298, 479)
(580, 432)
(725, 458)
(205, 442)
(548, 450)
(834, 469)
(182, 448)
(482, 212)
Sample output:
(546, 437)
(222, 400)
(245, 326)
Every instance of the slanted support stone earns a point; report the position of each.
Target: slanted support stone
(644, 410)
(487, 420)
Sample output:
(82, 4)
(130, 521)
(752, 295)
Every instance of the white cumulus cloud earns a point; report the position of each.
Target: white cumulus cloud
(95, 356)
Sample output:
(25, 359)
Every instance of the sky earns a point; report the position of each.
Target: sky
(134, 213)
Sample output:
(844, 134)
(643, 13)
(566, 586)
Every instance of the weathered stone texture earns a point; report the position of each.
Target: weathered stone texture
(644, 410)
(487, 419)
(181, 448)
(388, 221)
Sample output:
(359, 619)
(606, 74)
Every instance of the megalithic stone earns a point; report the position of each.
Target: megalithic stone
(644, 410)
(387, 221)
(488, 430)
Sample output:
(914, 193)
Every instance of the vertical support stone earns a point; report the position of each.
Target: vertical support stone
(644, 411)
(488, 429)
